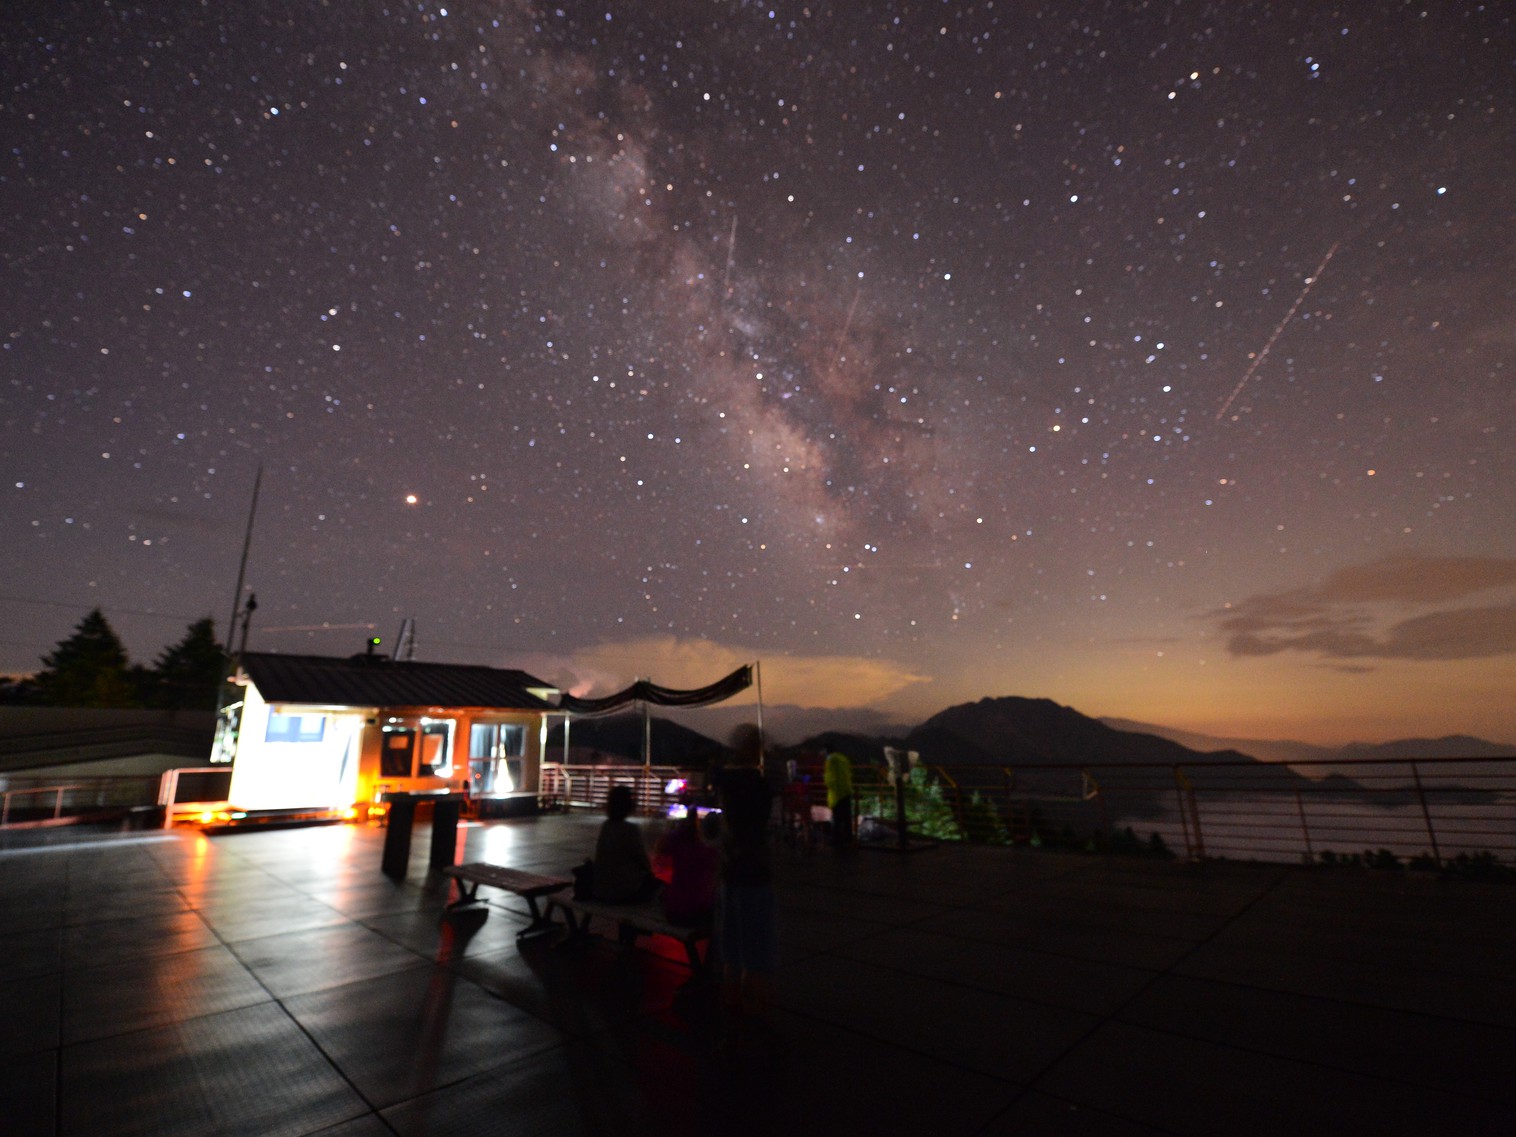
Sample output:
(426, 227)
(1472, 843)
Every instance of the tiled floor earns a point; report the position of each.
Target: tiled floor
(270, 983)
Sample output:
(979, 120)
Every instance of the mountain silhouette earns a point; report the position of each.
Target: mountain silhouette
(619, 738)
(1011, 730)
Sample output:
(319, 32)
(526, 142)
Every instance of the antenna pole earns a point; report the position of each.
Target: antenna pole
(247, 543)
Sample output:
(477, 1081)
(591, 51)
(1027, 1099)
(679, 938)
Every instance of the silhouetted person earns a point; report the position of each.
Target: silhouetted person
(623, 873)
(745, 932)
(694, 870)
(839, 797)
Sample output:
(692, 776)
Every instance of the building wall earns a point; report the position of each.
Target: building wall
(296, 775)
(344, 768)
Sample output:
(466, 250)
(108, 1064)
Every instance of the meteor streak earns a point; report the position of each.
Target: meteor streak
(731, 258)
(1258, 359)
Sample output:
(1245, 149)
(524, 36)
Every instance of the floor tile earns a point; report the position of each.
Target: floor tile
(1047, 1116)
(1077, 984)
(249, 917)
(541, 1093)
(415, 1031)
(369, 1125)
(809, 1087)
(1135, 949)
(1203, 1089)
(968, 1027)
(247, 1072)
(438, 937)
(29, 1095)
(37, 952)
(318, 958)
(115, 941)
(111, 999)
(1438, 1053)
(1304, 972)
(31, 1010)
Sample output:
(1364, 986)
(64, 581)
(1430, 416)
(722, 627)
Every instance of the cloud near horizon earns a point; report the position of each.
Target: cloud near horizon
(1343, 617)
(815, 682)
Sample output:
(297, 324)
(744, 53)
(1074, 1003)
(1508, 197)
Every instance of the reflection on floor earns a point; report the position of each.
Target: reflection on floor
(275, 982)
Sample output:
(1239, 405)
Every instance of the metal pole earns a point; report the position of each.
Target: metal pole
(758, 684)
(647, 736)
(1304, 828)
(1426, 814)
(247, 543)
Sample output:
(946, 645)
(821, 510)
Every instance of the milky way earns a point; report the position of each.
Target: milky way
(948, 343)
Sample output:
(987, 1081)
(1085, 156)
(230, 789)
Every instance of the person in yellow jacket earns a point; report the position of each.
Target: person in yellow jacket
(838, 773)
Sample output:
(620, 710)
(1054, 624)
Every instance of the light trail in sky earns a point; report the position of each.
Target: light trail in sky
(731, 258)
(1258, 359)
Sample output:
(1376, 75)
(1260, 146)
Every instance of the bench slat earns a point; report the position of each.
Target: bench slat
(527, 885)
(646, 919)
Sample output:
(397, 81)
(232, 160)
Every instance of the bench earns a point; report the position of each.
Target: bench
(529, 886)
(645, 919)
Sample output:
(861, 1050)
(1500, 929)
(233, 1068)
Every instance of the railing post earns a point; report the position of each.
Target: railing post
(1310, 853)
(58, 802)
(1189, 814)
(168, 793)
(1426, 814)
(5, 809)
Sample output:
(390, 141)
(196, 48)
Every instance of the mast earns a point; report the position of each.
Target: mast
(247, 543)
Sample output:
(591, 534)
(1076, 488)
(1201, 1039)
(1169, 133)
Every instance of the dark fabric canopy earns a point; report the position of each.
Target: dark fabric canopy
(646, 691)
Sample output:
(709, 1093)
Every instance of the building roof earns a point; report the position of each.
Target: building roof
(35, 738)
(376, 681)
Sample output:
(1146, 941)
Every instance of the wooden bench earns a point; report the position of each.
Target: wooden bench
(529, 886)
(645, 919)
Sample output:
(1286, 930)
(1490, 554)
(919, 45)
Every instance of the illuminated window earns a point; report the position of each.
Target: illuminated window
(295, 728)
(496, 740)
(416, 748)
(436, 758)
(495, 751)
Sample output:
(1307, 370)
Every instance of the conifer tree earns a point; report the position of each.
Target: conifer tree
(188, 672)
(89, 669)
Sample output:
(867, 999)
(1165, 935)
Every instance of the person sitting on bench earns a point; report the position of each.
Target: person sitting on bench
(623, 873)
(693, 869)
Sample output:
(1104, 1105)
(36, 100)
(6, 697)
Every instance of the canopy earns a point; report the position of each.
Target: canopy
(646, 691)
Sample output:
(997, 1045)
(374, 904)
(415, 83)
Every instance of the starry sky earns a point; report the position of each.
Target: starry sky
(1154, 358)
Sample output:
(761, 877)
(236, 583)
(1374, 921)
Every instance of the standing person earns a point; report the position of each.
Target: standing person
(838, 773)
(745, 933)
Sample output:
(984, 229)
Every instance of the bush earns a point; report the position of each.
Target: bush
(1479, 866)
(982, 825)
(927, 813)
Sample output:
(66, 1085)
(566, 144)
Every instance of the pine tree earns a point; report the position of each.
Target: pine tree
(189, 672)
(89, 669)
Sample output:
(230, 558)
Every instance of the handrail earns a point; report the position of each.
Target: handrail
(1427, 810)
(56, 791)
(586, 786)
(98, 794)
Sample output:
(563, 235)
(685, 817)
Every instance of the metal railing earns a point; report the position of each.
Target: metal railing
(189, 788)
(577, 786)
(24, 798)
(1429, 811)
(11, 795)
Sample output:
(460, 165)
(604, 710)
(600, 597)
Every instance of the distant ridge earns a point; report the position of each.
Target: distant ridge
(1012, 730)
(1286, 750)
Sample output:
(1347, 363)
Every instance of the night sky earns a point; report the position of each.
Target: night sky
(1154, 358)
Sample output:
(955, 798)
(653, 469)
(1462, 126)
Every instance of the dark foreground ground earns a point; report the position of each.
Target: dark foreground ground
(276, 983)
